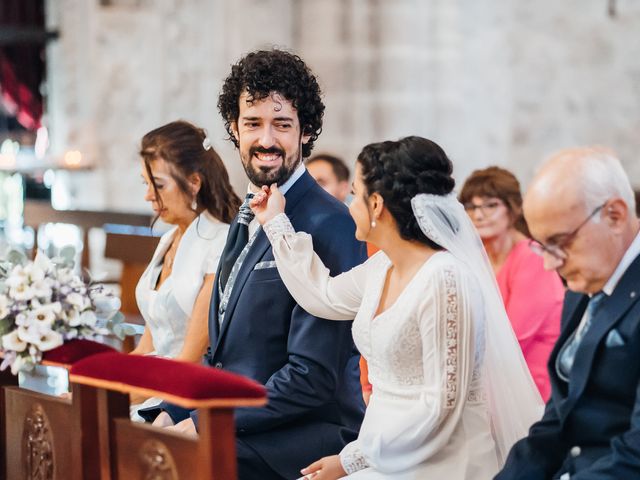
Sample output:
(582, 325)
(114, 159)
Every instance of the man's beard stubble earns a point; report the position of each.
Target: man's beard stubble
(266, 176)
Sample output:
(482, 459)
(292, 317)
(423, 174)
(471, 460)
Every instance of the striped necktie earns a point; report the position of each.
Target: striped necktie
(236, 240)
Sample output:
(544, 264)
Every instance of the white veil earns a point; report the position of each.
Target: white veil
(513, 398)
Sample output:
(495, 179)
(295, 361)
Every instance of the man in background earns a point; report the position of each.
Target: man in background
(331, 173)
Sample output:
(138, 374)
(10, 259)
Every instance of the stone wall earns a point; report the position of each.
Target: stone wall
(493, 81)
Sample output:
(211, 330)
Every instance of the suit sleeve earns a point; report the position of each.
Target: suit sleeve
(540, 454)
(318, 350)
(623, 459)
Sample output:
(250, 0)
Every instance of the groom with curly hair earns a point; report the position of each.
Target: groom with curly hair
(273, 113)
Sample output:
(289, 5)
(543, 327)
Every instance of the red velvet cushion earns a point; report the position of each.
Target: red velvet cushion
(180, 379)
(73, 350)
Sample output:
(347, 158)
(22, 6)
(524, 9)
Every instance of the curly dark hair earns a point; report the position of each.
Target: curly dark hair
(399, 171)
(264, 72)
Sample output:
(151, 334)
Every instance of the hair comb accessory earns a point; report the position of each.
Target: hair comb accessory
(206, 143)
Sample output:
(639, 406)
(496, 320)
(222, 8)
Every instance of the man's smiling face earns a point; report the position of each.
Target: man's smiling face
(270, 140)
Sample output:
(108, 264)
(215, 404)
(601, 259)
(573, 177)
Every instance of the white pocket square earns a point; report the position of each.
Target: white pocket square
(263, 265)
(614, 339)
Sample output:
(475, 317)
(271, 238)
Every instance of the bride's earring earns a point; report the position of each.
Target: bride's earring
(373, 224)
(194, 205)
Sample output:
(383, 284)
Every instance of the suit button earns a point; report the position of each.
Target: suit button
(575, 451)
(218, 365)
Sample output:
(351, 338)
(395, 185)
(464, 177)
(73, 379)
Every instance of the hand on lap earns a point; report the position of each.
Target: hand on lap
(185, 427)
(163, 420)
(327, 468)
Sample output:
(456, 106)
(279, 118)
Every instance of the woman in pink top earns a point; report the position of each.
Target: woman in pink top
(532, 295)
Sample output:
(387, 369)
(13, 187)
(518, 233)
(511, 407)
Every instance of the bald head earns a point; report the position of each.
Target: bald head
(586, 176)
(581, 200)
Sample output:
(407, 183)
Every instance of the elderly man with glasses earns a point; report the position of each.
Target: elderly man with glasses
(581, 210)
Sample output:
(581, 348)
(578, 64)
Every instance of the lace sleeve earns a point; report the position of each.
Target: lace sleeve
(277, 227)
(456, 344)
(308, 279)
(352, 458)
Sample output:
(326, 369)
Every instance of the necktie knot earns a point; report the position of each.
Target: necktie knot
(594, 303)
(245, 215)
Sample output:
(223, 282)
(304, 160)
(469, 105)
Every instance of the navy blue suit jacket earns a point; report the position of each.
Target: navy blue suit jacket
(591, 426)
(308, 365)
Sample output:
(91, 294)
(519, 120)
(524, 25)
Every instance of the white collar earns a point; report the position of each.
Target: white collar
(629, 256)
(284, 188)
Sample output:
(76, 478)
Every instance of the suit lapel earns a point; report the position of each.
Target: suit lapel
(607, 315)
(256, 252)
(574, 306)
(260, 246)
(214, 325)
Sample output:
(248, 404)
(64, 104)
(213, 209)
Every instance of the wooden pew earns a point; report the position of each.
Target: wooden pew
(40, 212)
(134, 248)
(46, 437)
(90, 436)
(7, 379)
(131, 450)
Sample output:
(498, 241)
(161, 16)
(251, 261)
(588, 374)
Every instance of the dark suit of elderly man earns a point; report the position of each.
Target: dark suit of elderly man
(581, 210)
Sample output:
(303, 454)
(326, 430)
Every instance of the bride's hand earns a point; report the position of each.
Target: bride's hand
(267, 203)
(327, 468)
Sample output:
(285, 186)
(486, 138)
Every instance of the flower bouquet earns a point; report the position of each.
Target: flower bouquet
(43, 303)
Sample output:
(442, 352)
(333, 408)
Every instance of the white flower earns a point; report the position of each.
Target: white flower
(88, 318)
(22, 319)
(18, 276)
(66, 276)
(42, 288)
(72, 317)
(41, 264)
(40, 324)
(44, 314)
(78, 301)
(49, 340)
(4, 306)
(30, 333)
(21, 292)
(18, 364)
(21, 363)
(11, 341)
(9, 357)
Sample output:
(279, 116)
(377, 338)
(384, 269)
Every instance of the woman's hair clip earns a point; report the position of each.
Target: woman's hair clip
(206, 143)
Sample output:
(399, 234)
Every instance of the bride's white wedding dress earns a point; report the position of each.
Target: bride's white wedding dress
(428, 415)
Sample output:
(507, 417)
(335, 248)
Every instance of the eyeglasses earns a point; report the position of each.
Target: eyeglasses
(487, 208)
(557, 248)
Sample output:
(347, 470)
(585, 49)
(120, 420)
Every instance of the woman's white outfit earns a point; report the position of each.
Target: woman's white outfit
(167, 310)
(430, 414)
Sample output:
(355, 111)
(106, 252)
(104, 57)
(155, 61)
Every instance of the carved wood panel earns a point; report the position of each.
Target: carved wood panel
(37, 445)
(157, 461)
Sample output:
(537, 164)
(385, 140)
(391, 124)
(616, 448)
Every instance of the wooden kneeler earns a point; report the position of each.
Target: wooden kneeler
(131, 450)
(48, 437)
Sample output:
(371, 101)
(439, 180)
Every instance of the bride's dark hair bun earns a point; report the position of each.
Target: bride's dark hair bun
(400, 170)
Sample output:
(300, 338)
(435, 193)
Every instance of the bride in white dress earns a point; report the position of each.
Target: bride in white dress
(451, 390)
